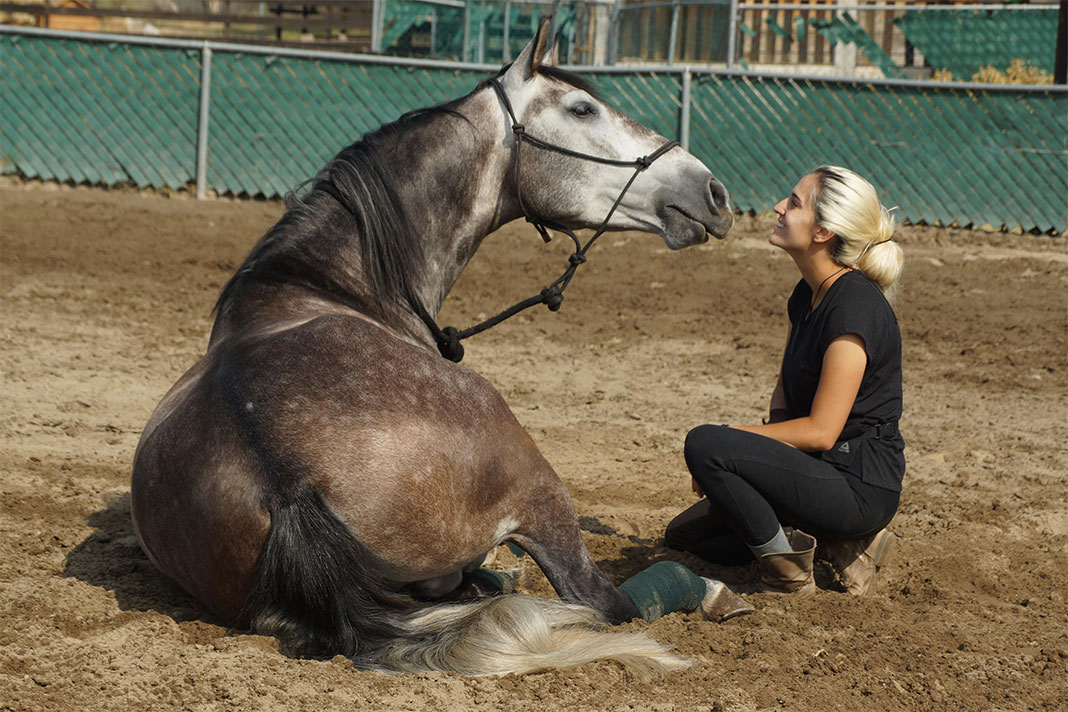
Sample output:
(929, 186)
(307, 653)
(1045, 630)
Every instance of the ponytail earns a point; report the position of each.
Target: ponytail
(848, 206)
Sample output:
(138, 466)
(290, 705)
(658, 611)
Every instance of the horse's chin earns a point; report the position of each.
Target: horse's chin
(680, 230)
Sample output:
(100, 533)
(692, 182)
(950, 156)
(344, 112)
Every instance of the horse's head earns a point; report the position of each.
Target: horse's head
(676, 197)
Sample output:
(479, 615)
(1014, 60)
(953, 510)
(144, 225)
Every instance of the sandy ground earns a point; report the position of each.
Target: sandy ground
(105, 300)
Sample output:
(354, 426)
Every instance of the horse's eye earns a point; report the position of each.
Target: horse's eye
(583, 110)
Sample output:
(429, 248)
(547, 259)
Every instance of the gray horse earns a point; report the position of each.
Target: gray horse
(321, 474)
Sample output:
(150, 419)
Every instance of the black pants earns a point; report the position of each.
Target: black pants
(754, 484)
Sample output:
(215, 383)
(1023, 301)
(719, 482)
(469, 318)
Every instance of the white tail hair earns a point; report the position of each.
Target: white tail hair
(317, 591)
(520, 634)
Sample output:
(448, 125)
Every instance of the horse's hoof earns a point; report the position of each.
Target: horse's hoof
(720, 603)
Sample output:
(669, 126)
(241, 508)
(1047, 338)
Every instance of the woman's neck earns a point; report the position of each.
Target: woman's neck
(819, 272)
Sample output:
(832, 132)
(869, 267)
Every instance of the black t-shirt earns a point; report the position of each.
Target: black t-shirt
(852, 305)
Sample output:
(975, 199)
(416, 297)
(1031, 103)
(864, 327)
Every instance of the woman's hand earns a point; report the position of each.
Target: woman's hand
(843, 370)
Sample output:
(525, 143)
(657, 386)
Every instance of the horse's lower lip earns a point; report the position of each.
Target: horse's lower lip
(703, 224)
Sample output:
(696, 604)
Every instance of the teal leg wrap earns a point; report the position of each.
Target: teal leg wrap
(492, 582)
(664, 587)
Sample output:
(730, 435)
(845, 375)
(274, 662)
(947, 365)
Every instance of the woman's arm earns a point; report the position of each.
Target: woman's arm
(777, 410)
(843, 369)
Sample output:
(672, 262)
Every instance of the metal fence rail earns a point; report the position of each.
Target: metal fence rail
(256, 121)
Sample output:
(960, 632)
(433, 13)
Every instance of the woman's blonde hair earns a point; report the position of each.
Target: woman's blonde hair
(848, 206)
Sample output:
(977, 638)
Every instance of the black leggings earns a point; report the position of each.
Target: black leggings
(754, 484)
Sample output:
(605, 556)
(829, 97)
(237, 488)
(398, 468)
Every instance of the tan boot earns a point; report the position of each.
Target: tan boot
(856, 561)
(790, 572)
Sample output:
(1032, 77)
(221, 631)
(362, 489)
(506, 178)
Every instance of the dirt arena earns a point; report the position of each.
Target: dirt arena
(105, 299)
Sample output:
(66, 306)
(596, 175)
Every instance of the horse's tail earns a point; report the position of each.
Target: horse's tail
(318, 591)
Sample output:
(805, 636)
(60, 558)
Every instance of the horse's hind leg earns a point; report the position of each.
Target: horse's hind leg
(551, 535)
(449, 585)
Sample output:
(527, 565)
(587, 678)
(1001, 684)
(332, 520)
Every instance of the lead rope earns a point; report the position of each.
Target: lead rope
(448, 339)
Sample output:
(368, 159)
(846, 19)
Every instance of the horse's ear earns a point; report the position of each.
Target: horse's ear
(533, 54)
(552, 55)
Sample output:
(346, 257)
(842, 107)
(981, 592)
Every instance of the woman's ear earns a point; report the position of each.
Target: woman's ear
(822, 234)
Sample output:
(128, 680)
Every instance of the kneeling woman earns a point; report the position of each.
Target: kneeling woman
(829, 461)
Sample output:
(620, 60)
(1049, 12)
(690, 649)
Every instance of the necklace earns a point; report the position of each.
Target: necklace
(816, 296)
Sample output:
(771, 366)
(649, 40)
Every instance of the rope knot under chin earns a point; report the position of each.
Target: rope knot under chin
(577, 259)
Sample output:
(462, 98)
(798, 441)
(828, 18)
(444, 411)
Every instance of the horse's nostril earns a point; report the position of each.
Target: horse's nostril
(720, 197)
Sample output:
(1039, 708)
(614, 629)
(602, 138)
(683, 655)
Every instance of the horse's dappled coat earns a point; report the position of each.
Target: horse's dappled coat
(321, 463)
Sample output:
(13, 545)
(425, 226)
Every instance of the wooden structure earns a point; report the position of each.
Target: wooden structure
(73, 22)
(343, 24)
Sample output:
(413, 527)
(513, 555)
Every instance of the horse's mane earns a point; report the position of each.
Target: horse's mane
(570, 78)
(294, 250)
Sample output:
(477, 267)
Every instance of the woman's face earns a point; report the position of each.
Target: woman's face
(797, 220)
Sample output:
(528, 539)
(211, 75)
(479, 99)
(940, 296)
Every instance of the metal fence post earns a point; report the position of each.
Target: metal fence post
(202, 123)
(506, 54)
(732, 35)
(434, 32)
(673, 38)
(481, 53)
(684, 110)
(377, 12)
(613, 32)
(467, 32)
(845, 54)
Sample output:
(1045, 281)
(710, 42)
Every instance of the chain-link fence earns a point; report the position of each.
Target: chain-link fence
(258, 121)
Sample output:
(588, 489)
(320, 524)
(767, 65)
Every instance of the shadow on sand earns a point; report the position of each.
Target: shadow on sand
(110, 558)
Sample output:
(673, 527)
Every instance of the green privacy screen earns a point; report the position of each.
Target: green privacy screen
(965, 42)
(107, 113)
(88, 112)
(275, 121)
(941, 155)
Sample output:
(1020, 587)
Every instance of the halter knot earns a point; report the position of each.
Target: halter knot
(449, 344)
(553, 297)
(448, 339)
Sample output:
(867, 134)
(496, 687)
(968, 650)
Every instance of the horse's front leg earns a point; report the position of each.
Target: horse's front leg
(550, 534)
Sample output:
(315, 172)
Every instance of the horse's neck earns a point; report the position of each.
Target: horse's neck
(449, 175)
(453, 190)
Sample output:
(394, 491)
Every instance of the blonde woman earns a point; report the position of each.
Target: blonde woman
(829, 460)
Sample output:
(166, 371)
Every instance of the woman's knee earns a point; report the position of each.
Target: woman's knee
(701, 442)
(688, 527)
(711, 446)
